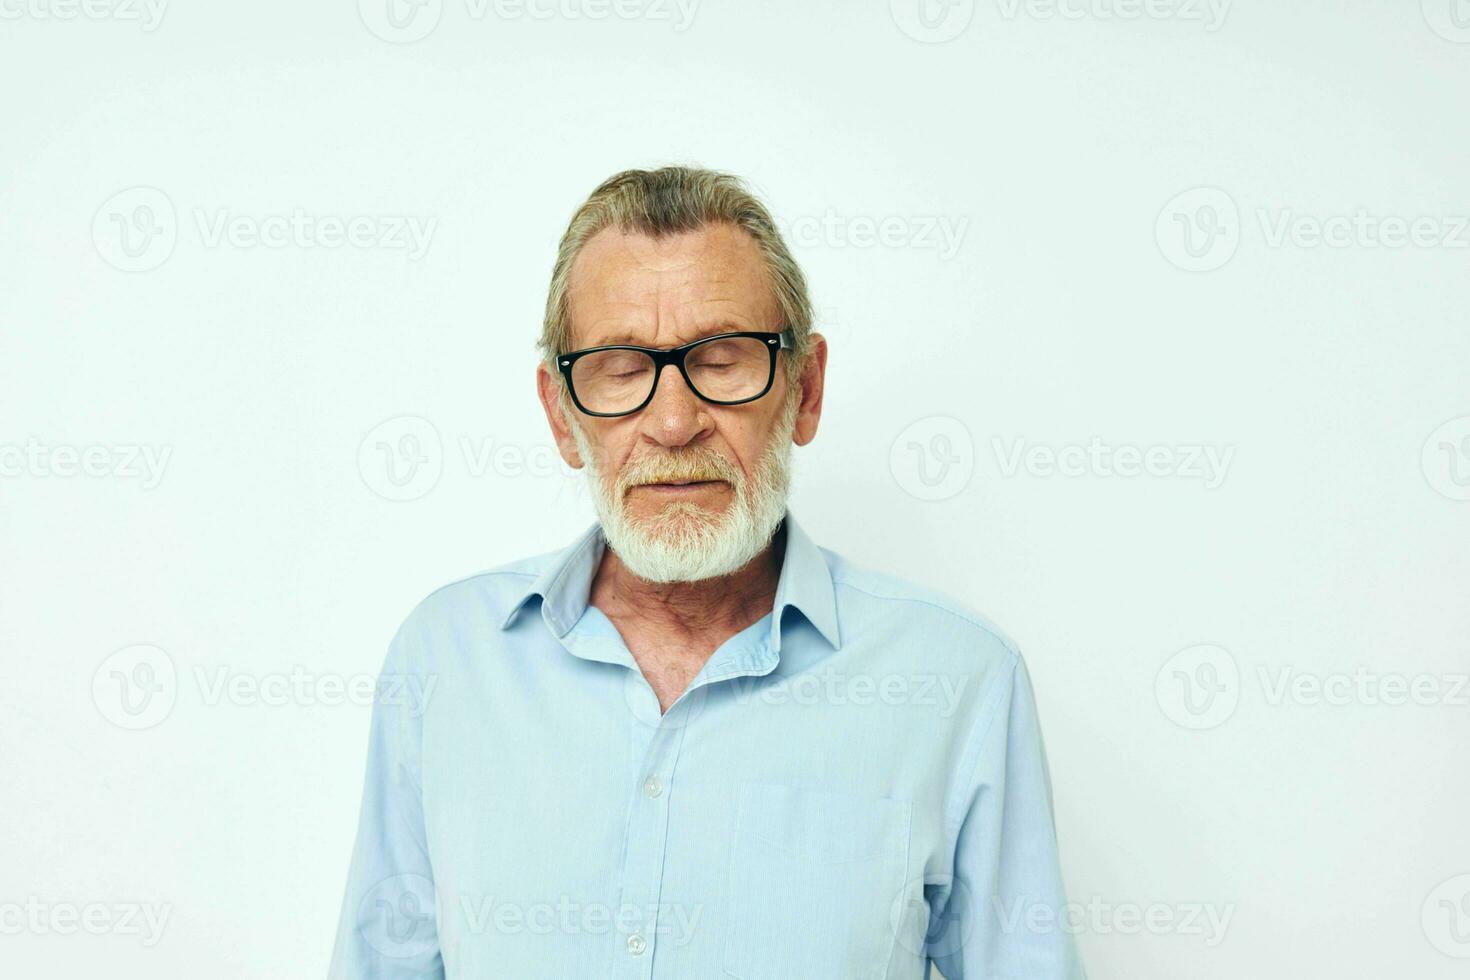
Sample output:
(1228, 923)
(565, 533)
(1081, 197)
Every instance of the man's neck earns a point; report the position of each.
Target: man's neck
(716, 607)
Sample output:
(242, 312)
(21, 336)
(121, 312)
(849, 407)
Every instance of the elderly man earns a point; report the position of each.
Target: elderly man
(693, 744)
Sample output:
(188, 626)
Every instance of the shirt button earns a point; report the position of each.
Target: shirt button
(637, 944)
(652, 787)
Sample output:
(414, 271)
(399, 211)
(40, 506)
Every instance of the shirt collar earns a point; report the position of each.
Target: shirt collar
(805, 584)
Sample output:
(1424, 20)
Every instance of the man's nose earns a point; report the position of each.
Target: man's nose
(676, 416)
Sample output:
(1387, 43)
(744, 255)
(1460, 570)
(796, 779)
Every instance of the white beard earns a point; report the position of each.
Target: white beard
(685, 542)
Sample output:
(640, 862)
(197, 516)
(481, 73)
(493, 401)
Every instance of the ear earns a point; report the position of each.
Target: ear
(813, 378)
(548, 388)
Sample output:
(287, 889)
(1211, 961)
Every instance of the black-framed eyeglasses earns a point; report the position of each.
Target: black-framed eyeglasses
(725, 369)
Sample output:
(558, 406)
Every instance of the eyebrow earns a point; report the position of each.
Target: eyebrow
(628, 339)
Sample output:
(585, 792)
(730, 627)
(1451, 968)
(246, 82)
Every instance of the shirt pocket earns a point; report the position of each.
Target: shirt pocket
(813, 882)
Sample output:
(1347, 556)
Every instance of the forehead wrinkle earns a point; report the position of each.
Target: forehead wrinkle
(672, 280)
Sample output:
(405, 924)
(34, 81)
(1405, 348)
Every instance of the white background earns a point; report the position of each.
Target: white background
(1082, 299)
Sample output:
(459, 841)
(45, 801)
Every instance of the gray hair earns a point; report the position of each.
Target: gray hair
(668, 201)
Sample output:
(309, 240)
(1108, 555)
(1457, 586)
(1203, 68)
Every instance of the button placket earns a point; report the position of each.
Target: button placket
(656, 740)
(644, 845)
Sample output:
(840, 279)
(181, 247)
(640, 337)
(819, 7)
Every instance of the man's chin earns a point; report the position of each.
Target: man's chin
(671, 517)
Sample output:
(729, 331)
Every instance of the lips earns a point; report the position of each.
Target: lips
(674, 486)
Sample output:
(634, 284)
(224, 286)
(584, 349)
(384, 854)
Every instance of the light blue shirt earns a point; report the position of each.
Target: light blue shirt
(850, 788)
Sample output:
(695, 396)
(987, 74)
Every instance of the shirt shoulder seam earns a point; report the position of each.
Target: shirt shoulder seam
(485, 574)
(984, 627)
(488, 573)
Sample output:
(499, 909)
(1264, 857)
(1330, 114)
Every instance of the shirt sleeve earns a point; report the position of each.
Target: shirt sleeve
(1004, 916)
(388, 928)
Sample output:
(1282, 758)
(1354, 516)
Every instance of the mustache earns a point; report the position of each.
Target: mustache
(686, 465)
